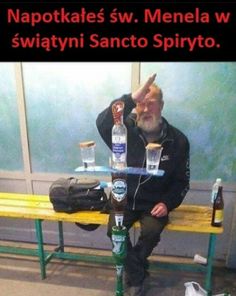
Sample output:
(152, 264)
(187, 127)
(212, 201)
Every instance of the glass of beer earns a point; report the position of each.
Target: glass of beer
(88, 154)
(153, 156)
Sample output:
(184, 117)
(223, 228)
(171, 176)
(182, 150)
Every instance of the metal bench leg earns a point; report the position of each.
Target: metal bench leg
(210, 256)
(61, 237)
(39, 234)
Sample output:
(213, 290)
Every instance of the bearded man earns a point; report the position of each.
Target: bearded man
(149, 198)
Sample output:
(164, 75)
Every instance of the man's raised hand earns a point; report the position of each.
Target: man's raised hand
(139, 95)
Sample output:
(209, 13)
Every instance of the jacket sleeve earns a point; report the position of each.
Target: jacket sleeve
(179, 186)
(105, 122)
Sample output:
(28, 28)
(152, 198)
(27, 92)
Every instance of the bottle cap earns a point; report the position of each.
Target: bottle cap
(117, 111)
(86, 144)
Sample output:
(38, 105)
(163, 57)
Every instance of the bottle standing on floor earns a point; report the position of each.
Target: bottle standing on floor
(215, 189)
(218, 208)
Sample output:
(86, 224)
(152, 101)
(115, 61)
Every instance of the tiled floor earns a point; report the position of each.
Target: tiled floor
(21, 277)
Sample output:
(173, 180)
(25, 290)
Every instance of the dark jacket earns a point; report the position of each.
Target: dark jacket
(146, 191)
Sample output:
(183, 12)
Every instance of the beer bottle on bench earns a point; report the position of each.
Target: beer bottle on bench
(218, 209)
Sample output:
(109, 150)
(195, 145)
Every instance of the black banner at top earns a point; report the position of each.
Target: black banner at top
(118, 31)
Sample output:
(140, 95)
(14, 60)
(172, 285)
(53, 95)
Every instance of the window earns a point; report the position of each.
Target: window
(62, 102)
(10, 144)
(200, 99)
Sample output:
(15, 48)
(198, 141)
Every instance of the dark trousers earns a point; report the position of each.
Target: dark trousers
(136, 263)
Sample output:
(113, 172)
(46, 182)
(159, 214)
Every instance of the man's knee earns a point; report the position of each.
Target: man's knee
(153, 227)
(149, 234)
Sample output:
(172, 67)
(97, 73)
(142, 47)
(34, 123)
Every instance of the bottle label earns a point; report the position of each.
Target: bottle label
(119, 270)
(118, 139)
(119, 220)
(118, 244)
(119, 148)
(118, 144)
(119, 189)
(218, 216)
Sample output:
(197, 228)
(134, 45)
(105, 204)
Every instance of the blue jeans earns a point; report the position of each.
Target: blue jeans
(136, 263)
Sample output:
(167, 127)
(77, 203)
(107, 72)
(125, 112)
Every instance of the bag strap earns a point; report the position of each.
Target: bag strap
(83, 183)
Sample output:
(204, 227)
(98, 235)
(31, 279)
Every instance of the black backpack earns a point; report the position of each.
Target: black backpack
(70, 195)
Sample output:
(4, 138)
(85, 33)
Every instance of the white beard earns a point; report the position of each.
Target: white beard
(150, 125)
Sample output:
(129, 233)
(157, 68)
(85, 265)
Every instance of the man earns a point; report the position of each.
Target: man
(149, 198)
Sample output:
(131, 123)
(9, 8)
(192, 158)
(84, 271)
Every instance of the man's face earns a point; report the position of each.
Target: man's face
(149, 111)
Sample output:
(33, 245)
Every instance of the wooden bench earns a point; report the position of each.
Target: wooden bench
(186, 218)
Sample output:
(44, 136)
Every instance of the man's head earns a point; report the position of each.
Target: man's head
(149, 110)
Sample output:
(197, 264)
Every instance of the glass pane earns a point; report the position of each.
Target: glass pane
(63, 101)
(10, 144)
(200, 99)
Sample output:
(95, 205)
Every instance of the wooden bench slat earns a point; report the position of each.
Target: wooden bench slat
(26, 204)
(51, 215)
(191, 218)
(22, 196)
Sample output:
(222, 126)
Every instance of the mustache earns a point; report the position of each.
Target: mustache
(142, 115)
